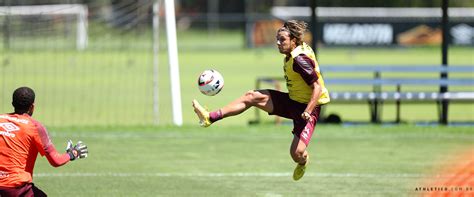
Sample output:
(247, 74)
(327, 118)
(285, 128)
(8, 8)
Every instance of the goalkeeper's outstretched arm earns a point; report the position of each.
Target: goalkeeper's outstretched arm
(55, 158)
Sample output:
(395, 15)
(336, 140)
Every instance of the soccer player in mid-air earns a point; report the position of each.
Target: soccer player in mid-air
(21, 139)
(302, 103)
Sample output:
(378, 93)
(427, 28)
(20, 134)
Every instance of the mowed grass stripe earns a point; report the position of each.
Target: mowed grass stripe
(234, 174)
(279, 133)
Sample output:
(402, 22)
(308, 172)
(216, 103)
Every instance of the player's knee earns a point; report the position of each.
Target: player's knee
(249, 97)
(249, 94)
(299, 152)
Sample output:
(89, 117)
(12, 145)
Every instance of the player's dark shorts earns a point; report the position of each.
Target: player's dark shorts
(27, 190)
(285, 107)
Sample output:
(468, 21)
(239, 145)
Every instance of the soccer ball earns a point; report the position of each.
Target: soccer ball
(210, 82)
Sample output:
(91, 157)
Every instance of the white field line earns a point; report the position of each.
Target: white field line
(235, 174)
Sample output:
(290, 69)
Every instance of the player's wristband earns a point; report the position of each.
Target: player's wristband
(71, 156)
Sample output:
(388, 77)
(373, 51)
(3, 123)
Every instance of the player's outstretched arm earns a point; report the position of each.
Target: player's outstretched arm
(46, 147)
(55, 158)
(76, 151)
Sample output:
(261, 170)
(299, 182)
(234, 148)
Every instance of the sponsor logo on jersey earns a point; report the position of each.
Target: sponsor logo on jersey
(14, 119)
(8, 128)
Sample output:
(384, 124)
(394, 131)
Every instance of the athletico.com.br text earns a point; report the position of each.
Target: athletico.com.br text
(446, 189)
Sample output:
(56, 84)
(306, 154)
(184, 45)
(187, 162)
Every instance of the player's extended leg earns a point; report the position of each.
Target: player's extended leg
(256, 98)
(300, 156)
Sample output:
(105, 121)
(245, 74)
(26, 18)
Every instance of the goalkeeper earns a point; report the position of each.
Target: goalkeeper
(302, 103)
(21, 139)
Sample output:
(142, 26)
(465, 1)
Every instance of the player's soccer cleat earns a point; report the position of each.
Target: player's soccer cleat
(202, 113)
(300, 170)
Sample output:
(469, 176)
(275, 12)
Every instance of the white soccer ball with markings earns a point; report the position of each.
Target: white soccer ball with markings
(210, 82)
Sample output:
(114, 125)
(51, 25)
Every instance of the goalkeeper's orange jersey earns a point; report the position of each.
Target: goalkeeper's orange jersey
(21, 139)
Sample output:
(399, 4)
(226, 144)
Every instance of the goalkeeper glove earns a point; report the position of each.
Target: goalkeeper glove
(78, 151)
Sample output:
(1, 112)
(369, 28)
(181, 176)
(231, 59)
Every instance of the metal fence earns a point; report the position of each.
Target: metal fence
(103, 77)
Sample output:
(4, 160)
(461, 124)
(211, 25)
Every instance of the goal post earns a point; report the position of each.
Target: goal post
(173, 62)
(170, 20)
(78, 10)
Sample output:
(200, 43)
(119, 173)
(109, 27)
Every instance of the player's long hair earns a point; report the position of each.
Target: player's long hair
(296, 30)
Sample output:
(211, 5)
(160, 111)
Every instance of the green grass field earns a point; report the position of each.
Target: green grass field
(252, 161)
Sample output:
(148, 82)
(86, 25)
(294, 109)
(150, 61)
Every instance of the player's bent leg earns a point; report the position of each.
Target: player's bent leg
(202, 114)
(300, 156)
(298, 150)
